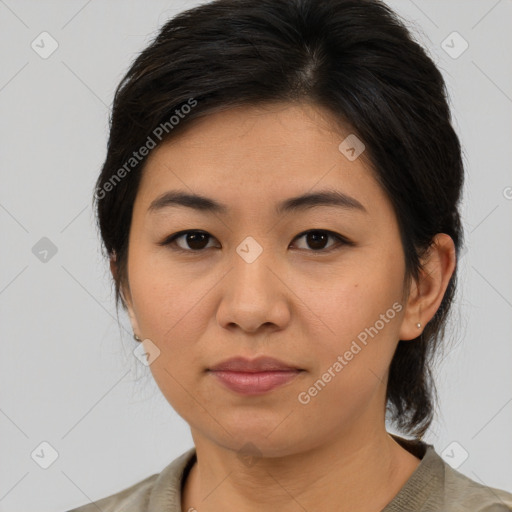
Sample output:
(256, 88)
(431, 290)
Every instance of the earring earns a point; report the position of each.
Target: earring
(418, 325)
(136, 338)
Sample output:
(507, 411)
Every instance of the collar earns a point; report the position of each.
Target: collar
(426, 478)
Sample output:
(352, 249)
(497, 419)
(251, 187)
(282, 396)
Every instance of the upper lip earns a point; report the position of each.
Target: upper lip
(259, 364)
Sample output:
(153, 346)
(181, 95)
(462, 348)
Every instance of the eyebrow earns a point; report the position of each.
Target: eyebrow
(177, 198)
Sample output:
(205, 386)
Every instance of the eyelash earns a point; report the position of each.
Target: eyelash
(170, 241)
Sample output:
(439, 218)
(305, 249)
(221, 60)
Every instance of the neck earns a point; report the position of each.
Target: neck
(335, 476)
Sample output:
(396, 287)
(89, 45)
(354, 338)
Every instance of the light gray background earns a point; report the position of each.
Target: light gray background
(68, 376)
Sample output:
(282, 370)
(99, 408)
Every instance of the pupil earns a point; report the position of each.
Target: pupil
(315, 237)
(197, 240)
(194, 238)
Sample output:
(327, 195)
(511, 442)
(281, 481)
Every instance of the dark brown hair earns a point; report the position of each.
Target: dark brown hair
(355, 58)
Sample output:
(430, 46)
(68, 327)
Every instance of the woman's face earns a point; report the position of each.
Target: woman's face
(257, 285)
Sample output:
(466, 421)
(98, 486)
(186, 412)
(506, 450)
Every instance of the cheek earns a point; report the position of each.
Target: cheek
(350, 367)
(363, 314)
(355, 302)
(164, 294)
(170, 313)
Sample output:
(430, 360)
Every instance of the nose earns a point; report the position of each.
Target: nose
(254, 296)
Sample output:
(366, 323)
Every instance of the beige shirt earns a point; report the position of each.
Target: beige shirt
(433, 487)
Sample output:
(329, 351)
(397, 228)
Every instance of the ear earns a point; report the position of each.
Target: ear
(126, 296)
(426, 294)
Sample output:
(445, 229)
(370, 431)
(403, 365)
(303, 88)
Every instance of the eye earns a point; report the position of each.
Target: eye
(197, 241)
(316, 238)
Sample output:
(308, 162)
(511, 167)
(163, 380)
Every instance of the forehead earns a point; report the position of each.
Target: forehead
(254, 157)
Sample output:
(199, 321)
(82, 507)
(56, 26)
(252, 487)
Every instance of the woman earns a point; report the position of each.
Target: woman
(279, 203)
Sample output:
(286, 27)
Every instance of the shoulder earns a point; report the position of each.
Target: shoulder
(463, 493)
(435, 485)
(148, 494)
(137, 496)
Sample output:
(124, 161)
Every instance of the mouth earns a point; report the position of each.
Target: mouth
(254, 383)
(254, 377)
(259, 364)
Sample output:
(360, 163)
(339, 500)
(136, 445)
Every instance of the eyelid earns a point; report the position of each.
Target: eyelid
(171, 239)
(342, 240)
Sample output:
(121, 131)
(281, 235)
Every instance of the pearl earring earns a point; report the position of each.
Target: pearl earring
(418, 325)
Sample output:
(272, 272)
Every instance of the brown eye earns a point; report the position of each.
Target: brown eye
(316, 240)
(193, 241)
(197, 241)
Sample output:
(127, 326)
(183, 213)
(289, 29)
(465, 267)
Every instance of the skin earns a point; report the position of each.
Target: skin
(296, 302)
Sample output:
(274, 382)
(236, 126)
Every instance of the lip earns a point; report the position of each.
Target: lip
(254, 377)
(259, 364)
(254, 383)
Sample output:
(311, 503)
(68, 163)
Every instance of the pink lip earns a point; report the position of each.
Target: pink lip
(254, 383)
(259, 364)
(254, 377)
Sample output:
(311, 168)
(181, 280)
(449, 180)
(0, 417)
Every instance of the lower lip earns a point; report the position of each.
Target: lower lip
(254, 383)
